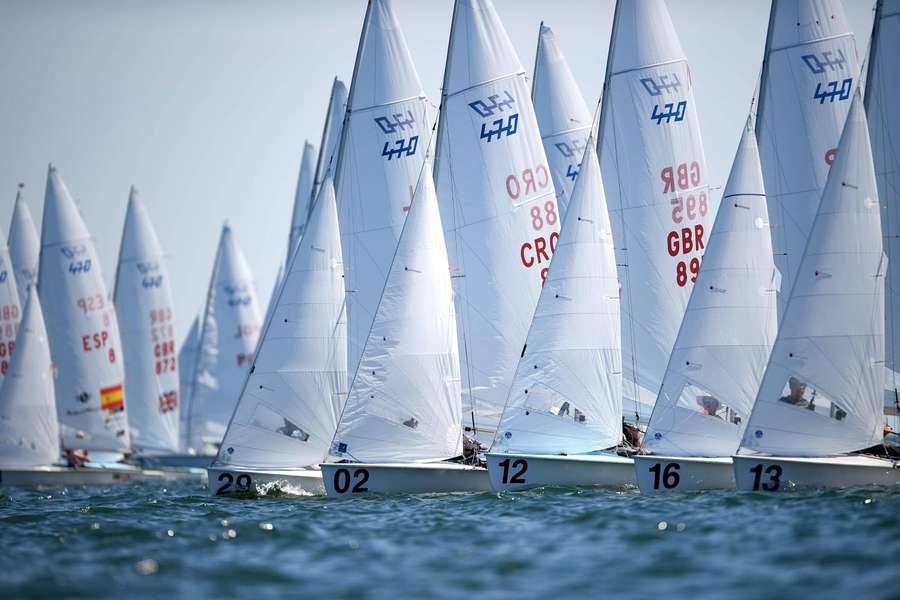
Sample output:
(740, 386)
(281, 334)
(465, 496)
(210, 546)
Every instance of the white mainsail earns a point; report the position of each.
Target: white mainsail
(10, 309)
(188, 352)
(228, 335)
(823, 387)
(302, 199)
(882, 89)
(810, 71)
(24, 248)
(498, 206)
(82, 328)
(566, 397)
(654, 174)
(29, 431)
(290, 404)
(404, 402)
(380, 157)
(331, 137)
(728, 329)
(562, 115)
(143, 300)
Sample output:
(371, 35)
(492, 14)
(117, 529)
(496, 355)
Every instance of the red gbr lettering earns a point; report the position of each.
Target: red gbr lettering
(686, 241)
(531, 181)
(684, 176)
(243, 359)
(536, 251)
(94, 341)
(6, 348)
(830, 156)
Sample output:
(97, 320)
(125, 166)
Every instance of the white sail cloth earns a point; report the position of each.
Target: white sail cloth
(882, 89)
(24, 248)
(288, 410)
(143, 300)
(302, 199)
(10, 309)
(82, 328)
(823, 387)
(29, 431)
(229, 332)
(188, 352)
(654, 174)
(381, 154)
(331, 137)
(728, 328)
(404, 402)
(566, 397)
(498, 206)
(809, 75)
(562, 115)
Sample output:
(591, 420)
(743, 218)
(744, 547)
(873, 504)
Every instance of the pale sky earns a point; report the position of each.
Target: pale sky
(204, 104)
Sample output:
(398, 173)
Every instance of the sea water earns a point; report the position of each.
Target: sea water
(173, 540)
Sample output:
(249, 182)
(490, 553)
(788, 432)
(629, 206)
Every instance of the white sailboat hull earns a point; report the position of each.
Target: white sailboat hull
(779, 473)
(524, 471)
(350, 480)
(53, 476)
(226, 481)
(683, 473)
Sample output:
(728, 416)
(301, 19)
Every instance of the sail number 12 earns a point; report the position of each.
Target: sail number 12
(518, 468)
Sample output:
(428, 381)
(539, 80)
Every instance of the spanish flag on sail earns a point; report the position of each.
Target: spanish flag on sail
(112, 398)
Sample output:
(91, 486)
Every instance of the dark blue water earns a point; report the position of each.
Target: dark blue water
(143, 539)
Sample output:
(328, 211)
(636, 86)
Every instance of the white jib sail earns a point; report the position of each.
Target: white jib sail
(380, 157)
(882, 90)
(728, 328)
(810, 71)
(143, 301)
(229, 332)
(404, 403)
(288, 410)
(188, 352)
(24, 248)
(302, 200)
(498, 207)
(331, 137)
(29, 431)
(657, 187)
(823, 387)
(566, 397)
(562, 115)
(82, 328)
(10, 309)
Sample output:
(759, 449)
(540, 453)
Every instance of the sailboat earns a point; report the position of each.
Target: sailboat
(24, 247)
(565, 403)
(288, 409)
(656, 183)
(10, 309)
(562, 115)
(722, 346)
(882, 83)
(331, 138)
(821, 394)
(229, 329)
(143, 301)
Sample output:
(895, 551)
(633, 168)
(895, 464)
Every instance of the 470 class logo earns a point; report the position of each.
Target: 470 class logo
(394, 123)
(496, 104)
(668, 84)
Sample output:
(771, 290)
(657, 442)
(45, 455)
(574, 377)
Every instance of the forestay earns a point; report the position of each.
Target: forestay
(380, 157)
(404, 402)
(29, 431)
(82, 328)
(24, 248)
(188, 352)
(498, 206)
(10, 309)
(302, 199)
(882, 90)
(229, 332)
(822, 389)
(143, 301)
(564, 119)
(566, 397)
(331, 137)
(809, 73)
(654, 174)
(288, 410)
(728, 329)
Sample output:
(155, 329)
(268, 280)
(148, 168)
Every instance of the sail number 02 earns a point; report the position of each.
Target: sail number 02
(342, 480)
(773, 471)
(668, 476)
(520, 465)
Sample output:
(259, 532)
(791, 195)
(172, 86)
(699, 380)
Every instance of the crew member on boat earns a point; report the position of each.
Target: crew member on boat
(710, 405)
(798, 390)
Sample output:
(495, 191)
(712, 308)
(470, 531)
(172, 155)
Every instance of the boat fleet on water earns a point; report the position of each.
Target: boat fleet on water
(420, 339)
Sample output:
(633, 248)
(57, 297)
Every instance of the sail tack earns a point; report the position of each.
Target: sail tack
(288, 410)
(566, 397)
(498, 206)
(143, 301)
(728, 328)
(562, 115)
(29, 431)
(24, 248)
(822, 389)
(82, 328)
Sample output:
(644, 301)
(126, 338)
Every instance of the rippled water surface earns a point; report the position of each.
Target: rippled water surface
(142, 539)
